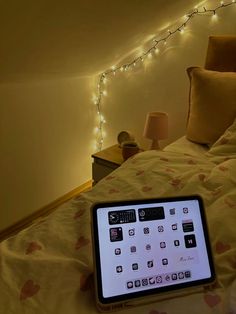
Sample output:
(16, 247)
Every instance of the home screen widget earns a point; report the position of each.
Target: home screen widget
(152, 213)
(121, 216)
(190, 241)
(187, 225)
(116, 234)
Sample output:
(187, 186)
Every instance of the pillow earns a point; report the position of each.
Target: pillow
(212, 104)
(226, 144)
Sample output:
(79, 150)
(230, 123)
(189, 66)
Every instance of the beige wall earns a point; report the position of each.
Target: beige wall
(47, 125)
(46, 142)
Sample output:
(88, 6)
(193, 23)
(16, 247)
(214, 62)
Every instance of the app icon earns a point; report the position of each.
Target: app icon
(130, 284)
(135, 266)
(167, 277)
(187, 274)
(162, 245)
(148, 247)
(137, 283)
(152, 281)
(131, 232)
(133, 249)
(174, 227)
(119, 269)
(159, 279)
(150, 264)
(144, 282)
(116, 234)
(172, 211)
(185, 210)
(176, 242)
(160, 228)
(174, 276)
(117, 251)
(187, 225)
(181, 275)
(146, 230)
(190, 241)
(164, 261)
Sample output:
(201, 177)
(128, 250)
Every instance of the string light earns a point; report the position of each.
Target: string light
(97, 100)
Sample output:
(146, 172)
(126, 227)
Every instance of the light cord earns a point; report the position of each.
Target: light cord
(101, 92)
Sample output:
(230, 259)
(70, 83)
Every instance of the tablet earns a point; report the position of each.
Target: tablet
(149, 247)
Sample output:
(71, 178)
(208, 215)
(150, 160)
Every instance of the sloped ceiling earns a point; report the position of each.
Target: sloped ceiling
(49, 38)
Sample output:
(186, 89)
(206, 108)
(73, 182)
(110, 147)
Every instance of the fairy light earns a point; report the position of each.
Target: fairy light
(97, 100)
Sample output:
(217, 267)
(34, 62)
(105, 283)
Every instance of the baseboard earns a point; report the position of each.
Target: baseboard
(42, 212)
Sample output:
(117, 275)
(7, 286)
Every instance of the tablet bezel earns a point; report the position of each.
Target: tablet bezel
(158, 290)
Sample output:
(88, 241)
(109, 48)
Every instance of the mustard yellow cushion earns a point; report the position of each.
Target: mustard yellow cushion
(212, 104)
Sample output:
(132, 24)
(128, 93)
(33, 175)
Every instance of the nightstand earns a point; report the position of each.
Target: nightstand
(105, 161)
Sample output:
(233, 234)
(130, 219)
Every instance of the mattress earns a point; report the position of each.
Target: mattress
(48, 267)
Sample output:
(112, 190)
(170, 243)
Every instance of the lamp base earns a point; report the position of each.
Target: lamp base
(155, 145)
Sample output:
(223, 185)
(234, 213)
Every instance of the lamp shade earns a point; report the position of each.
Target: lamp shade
(156, 126)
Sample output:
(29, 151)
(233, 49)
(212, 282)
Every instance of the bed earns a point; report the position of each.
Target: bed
(48, 267)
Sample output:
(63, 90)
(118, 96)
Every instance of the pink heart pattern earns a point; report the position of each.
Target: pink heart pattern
(113, 191)
(86, 282)
(138, 173)
(146, 188)
(201, 177)
(81, 242)
(212, 299)
(156, 312)
(192, 162)
(32, 247)
(222, 247)
(109, 178)
(79, 213)
(29, 289)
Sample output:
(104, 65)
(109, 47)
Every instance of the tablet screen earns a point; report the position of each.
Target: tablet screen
(144, 247)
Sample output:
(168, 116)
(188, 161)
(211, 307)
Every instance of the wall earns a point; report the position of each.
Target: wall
(47, 125)
(161, 83)
(46, 131)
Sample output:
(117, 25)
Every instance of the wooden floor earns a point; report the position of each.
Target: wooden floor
(42, 212)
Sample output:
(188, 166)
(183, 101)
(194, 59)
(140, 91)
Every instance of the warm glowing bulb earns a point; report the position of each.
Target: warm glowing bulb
(233, 1)
(221, 2)
(113, 67)
(105, 80)
(157, 50)
(214, 16)
(122, 69)
(104, 93)
(165, 42)
(134, 64)
(181, 31)
(149, 55)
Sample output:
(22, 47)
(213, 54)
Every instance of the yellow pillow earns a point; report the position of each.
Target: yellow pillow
(212, 104)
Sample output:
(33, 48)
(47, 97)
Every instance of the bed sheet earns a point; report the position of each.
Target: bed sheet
(48, 267)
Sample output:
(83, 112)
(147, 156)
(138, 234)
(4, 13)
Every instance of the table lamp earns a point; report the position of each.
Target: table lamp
(156, 128)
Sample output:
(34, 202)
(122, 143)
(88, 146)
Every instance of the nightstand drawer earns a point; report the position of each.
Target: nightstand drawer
(101, 170)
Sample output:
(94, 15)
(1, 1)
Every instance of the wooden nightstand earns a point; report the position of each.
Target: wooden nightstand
(105, 161)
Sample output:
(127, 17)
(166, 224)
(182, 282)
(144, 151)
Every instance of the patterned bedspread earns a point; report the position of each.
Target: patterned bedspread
(47, 268)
